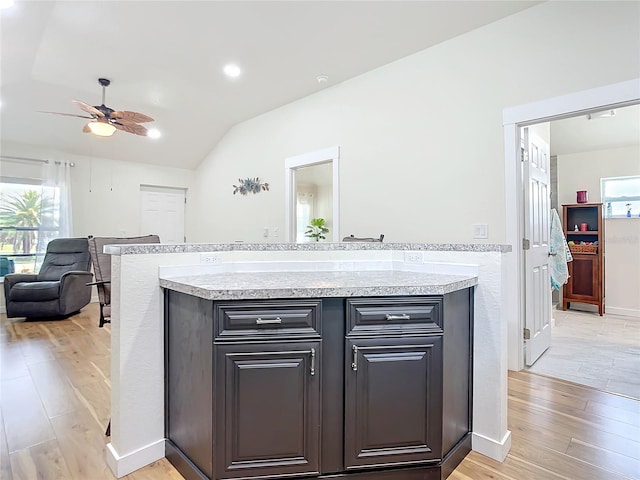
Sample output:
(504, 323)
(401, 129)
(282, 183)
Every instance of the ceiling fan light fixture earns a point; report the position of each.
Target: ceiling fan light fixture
(102, 129)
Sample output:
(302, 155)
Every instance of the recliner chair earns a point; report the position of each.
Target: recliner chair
(59, 289)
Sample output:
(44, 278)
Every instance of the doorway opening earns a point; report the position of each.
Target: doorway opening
(312, 191)
(593, 343)
(608, 97)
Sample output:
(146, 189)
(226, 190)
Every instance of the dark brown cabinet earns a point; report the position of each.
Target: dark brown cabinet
(583, 224)
(359, 388)
(393, 405)
(268, 411)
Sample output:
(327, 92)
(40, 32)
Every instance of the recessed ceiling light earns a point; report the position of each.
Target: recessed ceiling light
(6, 4)
(154, 133)
(232, 70)
(322, 78)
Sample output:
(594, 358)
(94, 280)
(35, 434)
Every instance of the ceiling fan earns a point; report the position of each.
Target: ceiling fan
(104, 120)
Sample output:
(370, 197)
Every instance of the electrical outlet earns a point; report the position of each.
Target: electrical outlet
(210, 258)
(412, 257)
(265, 232)
(276, 231)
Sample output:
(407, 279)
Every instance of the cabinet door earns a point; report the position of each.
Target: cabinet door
(393, 401)
(267, 398)
(583, 278)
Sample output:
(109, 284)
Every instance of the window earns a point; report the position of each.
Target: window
(621, 196)
(305, 207)
(29, 219)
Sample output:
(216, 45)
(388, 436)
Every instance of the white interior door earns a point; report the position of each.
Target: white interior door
(536, 230)
(162, 213)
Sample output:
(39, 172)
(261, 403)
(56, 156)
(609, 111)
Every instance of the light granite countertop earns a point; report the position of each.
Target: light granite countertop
(316, 284)
(155, 248)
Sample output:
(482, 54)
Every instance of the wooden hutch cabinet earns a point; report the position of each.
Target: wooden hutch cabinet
(586, 271)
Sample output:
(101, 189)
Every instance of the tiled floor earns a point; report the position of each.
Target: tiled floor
(601, 352)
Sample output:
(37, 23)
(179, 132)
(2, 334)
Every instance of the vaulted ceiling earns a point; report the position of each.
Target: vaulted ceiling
(165, 59)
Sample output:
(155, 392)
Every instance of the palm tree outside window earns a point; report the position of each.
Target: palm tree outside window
(29, 219)
(33, 211)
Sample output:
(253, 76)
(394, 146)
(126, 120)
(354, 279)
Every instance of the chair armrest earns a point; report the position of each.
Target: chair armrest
(74, 293)
(11, 279)
(75, 276)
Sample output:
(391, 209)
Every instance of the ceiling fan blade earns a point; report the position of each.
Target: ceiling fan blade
(131, 128)
(88, 108)
(86, 129)
(66, 114)
(131, 116)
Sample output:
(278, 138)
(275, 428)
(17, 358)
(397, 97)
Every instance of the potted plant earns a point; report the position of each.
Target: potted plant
(317, 229)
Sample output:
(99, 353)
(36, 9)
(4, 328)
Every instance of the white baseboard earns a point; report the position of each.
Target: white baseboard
(124, 465)
(491, 448)
(3, 309)
(627, 312)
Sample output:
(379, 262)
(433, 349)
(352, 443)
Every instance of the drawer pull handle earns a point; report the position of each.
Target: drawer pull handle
(313, 362)
(354, 364)
(268, 321)
(404, 316)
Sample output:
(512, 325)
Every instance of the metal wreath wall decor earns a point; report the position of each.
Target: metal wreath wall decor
(250, 185)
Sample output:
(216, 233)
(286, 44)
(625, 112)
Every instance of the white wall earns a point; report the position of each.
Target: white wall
(105, 193)
(421, 140)
(583, 171)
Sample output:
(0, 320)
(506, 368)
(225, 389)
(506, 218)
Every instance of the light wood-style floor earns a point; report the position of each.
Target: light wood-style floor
(54, 405)
(54, 401)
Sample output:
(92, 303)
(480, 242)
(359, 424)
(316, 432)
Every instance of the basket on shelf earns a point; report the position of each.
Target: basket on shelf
(583, 248)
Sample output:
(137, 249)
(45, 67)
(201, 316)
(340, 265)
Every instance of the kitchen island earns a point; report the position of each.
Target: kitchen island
(318, 374)
(138, 424)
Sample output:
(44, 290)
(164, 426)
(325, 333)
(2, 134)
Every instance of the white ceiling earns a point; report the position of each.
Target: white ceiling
(579, 134)
(165, 60)
(319, 175)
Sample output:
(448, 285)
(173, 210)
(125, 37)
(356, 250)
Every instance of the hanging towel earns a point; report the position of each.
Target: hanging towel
(558, 246)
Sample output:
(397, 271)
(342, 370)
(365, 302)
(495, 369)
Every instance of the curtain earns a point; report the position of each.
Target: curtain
(304, 214)
(56, 214)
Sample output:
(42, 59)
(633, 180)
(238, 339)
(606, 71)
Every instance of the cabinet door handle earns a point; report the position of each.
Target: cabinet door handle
(313, 362)
(268, 321)
(354, 364)
(553, 254)
(404, 316)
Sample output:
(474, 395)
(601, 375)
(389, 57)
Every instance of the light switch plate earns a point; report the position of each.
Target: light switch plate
(480, 230)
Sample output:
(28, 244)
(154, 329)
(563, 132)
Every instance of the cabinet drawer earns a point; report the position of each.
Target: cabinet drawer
(383, 316)
(268, 319)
